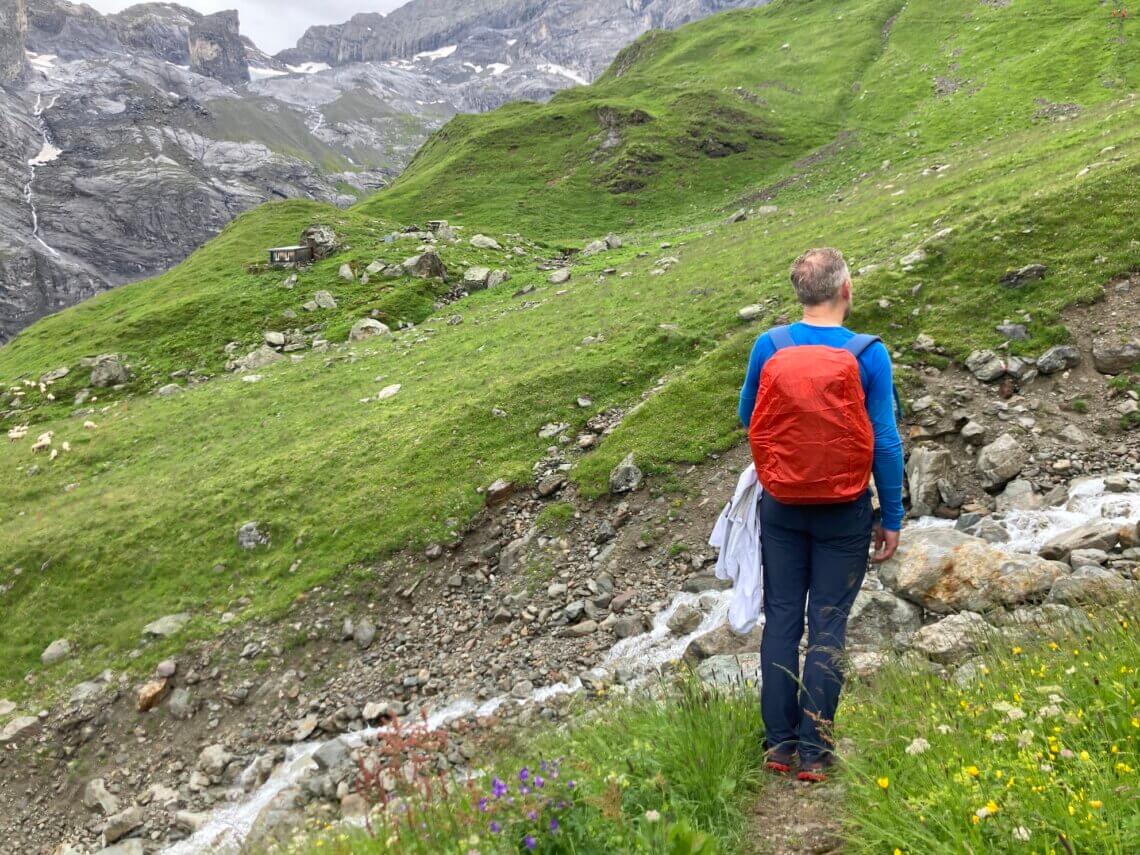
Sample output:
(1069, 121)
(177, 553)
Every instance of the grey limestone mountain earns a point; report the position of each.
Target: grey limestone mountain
(128, 140)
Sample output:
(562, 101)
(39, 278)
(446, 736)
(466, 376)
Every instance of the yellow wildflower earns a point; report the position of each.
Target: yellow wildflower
(972, 771)
(1096, 804)
(884, 783)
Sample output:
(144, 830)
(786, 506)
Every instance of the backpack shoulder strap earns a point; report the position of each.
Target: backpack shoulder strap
(859, 343)
(781, 337)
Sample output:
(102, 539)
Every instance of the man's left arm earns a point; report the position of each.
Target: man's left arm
(888, 463)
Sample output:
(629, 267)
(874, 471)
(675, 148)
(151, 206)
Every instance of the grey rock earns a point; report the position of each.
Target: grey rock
(484, 242)
(586, 627)
(626, 477)
(130, 846)
(1079, 558)
(1018, 495)
(96, 797)
(731, 671)
(627, 627)
(1092, 535)
(181, 704)
(367, 328)
(595, 247)
(1023, 275)
(169, 390)
(1091, 585)
(952, 638)
(985, 365)
(877, 616)
(685, 619)
(722, 641)
(1001, 461)
(274, 339)
(1058, 358)
(123, 823)
(252, 535)
(57, 651)
(263, 357)
(560, 276)
(475, 279)
(1111, 355)
(750, 313)
(108, 371)
(426, 266)
(347, 273)
(364, 633)
(334, 757)
(13, 40)
(321, 239)
(214, 759)
(497, 277)
(20, 727)
(932, 479)
(1013, 332)
(167, 625)
(324, 300)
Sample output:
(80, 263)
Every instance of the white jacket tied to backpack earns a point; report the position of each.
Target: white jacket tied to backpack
(737, 536)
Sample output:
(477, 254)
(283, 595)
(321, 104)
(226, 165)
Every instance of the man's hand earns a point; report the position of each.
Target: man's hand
(886, 542)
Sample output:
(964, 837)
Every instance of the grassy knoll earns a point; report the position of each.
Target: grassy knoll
(847, 131)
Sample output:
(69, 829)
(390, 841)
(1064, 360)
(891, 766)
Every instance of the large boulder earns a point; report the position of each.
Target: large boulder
(57, 651)
(167, 625)
(931, 477)
(986, 365)
(731, 671)
(108, 370)
(952, 638)
(1091, 535)
(944, 570)
(626, 477)
(484, 242)
(123, 823)
(426, 266)
(1001, 461)
(368, 328)
(1112, 355)
(878, 616)
(20, 727)
(322, 240)
(475, 279)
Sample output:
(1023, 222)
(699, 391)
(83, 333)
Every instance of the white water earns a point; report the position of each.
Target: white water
(644, 655)
(230, 824)
(49, 152)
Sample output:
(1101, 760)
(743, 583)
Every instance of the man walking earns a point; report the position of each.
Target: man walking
(819, 404)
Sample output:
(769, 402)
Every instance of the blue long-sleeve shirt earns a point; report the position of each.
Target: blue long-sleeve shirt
(878, 386)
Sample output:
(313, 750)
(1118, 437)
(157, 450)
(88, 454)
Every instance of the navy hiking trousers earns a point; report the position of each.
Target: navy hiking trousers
(815, 555)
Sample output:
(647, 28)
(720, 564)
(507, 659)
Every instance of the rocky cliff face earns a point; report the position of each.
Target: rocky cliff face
(13, 33)
(216, 49)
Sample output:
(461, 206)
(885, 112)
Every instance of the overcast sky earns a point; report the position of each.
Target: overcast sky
(274, 24)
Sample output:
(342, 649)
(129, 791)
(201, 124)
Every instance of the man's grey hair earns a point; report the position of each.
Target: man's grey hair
(818, 274)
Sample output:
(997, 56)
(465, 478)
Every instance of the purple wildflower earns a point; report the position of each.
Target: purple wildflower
(524, 791)
(524, 774)
(553, 824)
(542, 767)
(483, 805)
(530, 842)
(495, 828)
(498, 788)
(531, 815)
(571, 784)
(539, 781)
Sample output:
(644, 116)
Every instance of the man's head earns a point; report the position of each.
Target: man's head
(821, 278)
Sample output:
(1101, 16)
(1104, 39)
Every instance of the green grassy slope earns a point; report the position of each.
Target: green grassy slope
(842, 130)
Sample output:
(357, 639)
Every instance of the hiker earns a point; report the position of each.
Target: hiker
(819, 403)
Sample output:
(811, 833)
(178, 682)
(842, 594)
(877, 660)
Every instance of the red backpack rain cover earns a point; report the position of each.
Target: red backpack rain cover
(812, 440)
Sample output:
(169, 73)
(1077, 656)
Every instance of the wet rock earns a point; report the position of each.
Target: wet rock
(123, 823)
(626, 477)
(722, 641)
(57, 651)
(167, 625)
(945, 570)
(1061, 357)
(627, 627)
(952, 638)
(685, 619)
(877, 616)
(252, 535)
(1111, 355)
(1091, 585)
(1092, 535)
(1018, 495)
(1001, 461)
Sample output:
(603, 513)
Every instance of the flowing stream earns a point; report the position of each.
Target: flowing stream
(49, 152)
(641, 657)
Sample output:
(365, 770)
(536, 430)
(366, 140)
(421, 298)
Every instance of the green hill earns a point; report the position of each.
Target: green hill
(991, 135)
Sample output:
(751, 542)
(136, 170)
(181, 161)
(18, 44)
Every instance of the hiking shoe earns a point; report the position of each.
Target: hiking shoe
(779, 761)
(814, 772)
